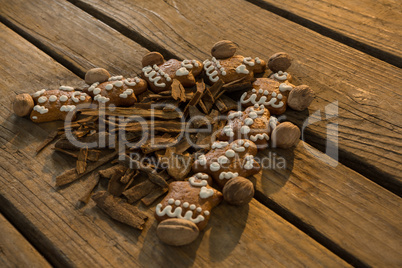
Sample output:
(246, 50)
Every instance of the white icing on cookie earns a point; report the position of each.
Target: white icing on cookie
(182, 71)
(285, 87)
(206, 193)
(259, 137)
(214, 166)
(53, 98)
(40, 109)
(281, 75)
(192, 181)
(228, 175)
(230, 153)
(242, 69)
(63, 98)
(177, 213)
(115, 78)
(67, 108)
(249, 61)
(42, 99)
(38, 93)
(66, 88)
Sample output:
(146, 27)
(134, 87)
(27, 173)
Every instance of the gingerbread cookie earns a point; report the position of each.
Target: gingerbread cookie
(252, 124)
(191, 200)
(160, 74)
(50, 105)
(228, 67)
(227, 160)
(118, 91)
(277, 92)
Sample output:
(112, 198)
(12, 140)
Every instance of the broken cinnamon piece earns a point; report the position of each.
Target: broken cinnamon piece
(115, 186)
(90, 185)
(182, 146)
(72, 175)
(170, 105)
(136, 111)
(197, 95)
(128, 175)
(151, 197)
(67, 152)
(163, 126)
(139, 191)
(52, 135)
(93, 155)
(118, 210)
(157, 143)
(203, 107)
(178, 91)
(153, 176)
(179, 166)
(208, 104)
(197, 118)
(216, 88)
(108, 172)
(225, 104)
(82, 160)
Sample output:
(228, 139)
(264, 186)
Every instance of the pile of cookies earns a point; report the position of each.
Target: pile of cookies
(229, 160)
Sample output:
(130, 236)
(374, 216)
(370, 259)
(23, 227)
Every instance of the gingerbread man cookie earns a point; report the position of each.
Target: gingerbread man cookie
(117, 90)
(226, 160)
(50, 105)
(190, 200)
(160, 74)
(254, 124)
(277, 92)
(228, 67)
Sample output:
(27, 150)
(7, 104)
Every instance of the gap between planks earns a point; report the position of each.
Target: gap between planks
(331, 33)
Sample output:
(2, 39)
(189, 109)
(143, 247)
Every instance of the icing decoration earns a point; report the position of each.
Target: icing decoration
(197, 184)
(281, 75)
(230, 153)
(41, 109)
(182, 71)
(153, 76)
(66, 88)
(102, 99)
(214, 166)
(202, 160)
(38, 93)
(115, 78)
(177, 213)
(205, 192)
(228, 175)
(63, 98)
(242, 69)
(259, 137)
(52, 98)
(285, 87)
(248, 61)
(42, 99)
(219, 144)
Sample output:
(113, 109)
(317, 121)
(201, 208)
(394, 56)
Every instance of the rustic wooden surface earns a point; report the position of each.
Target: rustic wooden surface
(356, 216)
(340, 209)
(71, 235)
(370, 26)
(370, 139)
(15, 250)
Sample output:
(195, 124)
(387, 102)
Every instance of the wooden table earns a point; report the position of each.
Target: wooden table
(317, 212)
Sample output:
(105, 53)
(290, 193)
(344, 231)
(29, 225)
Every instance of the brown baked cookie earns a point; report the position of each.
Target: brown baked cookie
(118, 91)
(160, 74)
(51, 105)
(228, 160)
(191, 200)
(265, 92)
(252, 124)
(228, 67)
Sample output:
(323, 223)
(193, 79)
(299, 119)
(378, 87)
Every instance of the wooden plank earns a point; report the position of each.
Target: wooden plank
(333, 203)
(70, 235)
(372, 26)
(86, 42)
(365, 89)
(15, 250)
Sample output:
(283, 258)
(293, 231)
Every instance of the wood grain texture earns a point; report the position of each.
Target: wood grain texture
(70, 235)
(370, 26)
(365, 88)
(332, 201)
(15, 250)
(85, 43)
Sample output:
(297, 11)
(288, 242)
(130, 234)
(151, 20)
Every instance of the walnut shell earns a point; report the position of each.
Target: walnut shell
(300, 97)
(285, 135)
(96, 75)
(238, 191)
(152, 58)
(223, 49)
(280, 61)
(23, 104)
(177, 232)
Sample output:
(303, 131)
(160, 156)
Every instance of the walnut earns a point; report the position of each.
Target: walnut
(152, 58)
(285, 135)
(223, 49)
(300, 98)
(238, 191)
(177, 232)
(94, 75)
(23, 104)
(280, 61)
